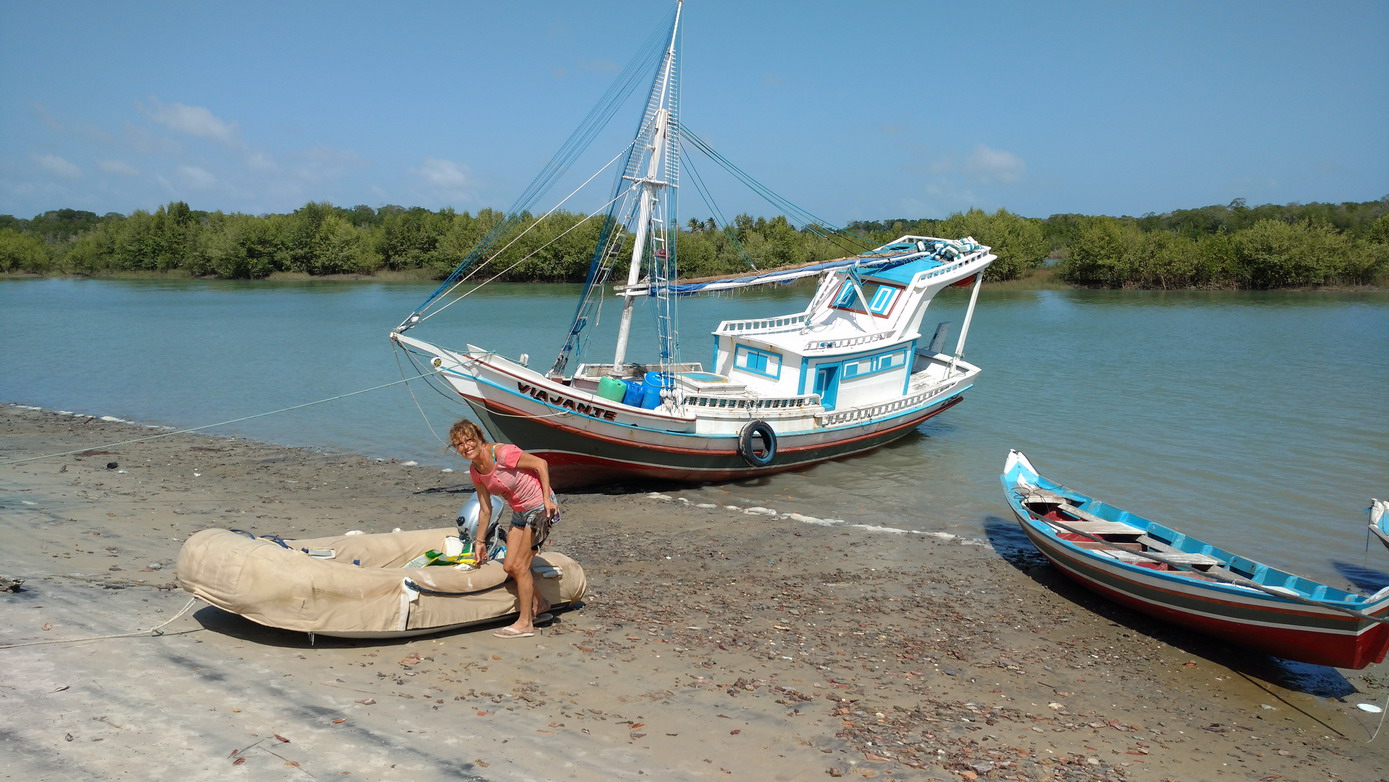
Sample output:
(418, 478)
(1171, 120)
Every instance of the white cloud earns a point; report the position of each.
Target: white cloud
(58, 166)
(195, 121)
(995, 165)
(260, 161)
(45, 116)
(118, 167)
(445, 174)
(196, 178)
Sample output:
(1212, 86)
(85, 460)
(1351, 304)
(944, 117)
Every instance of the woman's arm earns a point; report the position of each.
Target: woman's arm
(484, 520)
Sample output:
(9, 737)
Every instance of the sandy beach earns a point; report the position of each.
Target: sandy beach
(715, 643)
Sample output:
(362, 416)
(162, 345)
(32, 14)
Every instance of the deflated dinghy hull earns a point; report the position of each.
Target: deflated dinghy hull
(354, 586)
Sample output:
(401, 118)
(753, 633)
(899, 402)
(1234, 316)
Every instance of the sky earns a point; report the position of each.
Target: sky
(863, 110)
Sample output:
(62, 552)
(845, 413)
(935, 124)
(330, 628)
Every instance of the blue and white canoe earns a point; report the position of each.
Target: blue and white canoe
(1379, 520)
(1172, 576)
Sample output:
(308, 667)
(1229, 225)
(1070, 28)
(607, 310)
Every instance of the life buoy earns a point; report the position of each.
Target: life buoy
(748, 450)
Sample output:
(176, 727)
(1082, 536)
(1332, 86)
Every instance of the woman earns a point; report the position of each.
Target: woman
(523, 481)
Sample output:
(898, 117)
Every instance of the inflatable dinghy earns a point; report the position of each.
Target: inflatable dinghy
(356, 586)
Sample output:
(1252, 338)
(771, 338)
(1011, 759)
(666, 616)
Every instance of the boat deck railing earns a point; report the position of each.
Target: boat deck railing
(839, 417)
(753, 403)
(847, 342)
(779, 323)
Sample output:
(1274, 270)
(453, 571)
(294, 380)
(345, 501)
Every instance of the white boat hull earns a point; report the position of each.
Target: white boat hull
(587, 438)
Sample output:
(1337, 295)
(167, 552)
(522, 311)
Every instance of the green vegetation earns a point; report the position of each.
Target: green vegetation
(1233, 246)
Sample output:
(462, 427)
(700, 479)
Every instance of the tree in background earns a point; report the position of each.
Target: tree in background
(1231, 246)
(409, 238)
(23, 252)
(240, 247)
(1097, 253)
(1018, 242)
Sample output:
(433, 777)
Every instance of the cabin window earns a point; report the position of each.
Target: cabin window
(758, 362)
(871, 365)
(880, 298)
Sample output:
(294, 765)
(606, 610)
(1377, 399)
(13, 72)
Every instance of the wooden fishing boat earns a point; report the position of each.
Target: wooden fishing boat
(1379, 520)
(1172, 576)
(850, 372)
(357, 586)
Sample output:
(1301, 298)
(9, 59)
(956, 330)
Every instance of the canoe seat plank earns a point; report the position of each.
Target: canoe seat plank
(1099, 527)
(1089, 522)
(1171, 558)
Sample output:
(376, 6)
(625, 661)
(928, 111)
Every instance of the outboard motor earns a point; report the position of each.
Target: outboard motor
(467, 523)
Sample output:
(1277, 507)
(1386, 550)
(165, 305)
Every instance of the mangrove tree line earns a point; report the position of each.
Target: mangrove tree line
(1232, 246)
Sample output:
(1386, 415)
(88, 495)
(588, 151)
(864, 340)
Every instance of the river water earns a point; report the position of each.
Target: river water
(1258, 421)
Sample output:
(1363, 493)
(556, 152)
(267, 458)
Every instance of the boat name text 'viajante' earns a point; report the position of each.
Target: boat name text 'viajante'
(541, 395)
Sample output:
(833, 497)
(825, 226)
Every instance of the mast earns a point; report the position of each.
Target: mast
(651, 185)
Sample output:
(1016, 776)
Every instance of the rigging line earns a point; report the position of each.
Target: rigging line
(747, 179)
(207, 426)
(598, 118)
(521, 260)
(718, 213)
(517, 238)
(454, 396)
(396, 350)
(801, 215)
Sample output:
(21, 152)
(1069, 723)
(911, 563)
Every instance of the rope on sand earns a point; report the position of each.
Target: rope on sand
(1382, 712)
(157, 631)
(208, 426)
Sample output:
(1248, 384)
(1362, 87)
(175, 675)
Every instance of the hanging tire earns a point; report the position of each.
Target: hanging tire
(747, 447)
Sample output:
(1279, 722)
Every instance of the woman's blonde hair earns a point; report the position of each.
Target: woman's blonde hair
(466, 430)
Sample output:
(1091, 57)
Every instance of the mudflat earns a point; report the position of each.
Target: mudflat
(715, 643)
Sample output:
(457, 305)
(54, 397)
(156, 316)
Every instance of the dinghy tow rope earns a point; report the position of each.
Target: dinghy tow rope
(208, 426)
(155, 631)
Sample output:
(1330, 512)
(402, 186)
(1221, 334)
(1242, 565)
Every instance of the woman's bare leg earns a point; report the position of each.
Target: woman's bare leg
(518, 566)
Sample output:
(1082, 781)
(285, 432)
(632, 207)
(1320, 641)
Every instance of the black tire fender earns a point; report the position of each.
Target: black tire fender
(747, 443)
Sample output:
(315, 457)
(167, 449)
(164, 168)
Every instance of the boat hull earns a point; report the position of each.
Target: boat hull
(1379, 520)
(1282, 630)
(587, 439)
(1243, 616)
(583, 457)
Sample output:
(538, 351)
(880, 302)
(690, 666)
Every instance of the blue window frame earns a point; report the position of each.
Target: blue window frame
(758, 362)
(880, 298)
(827, 385)
(871, 365)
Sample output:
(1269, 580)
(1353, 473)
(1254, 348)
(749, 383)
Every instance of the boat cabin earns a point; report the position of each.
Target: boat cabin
(856, 342)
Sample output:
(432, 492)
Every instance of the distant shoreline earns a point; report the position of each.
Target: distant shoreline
(1041, 280)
